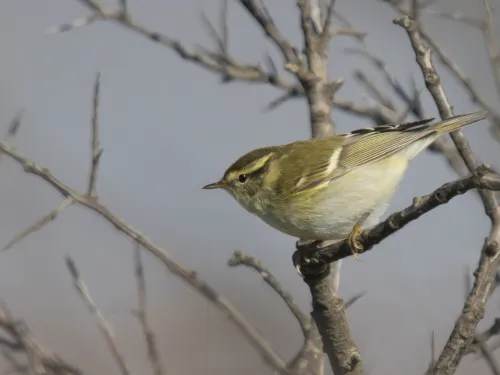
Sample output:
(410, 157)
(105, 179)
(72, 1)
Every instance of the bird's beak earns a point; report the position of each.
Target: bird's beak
(216, 185)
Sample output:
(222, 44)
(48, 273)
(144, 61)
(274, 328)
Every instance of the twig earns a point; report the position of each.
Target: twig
(207, 60)
(22, 341)
(142, 315)
(241, 259)
(483, 337)
(103, 325)
(262, 16)
(490, 359)
(482, 178)
(473, 311)
(187, 275)
(325, 33)
(432, 361)
(14, 125)
(370, 85)
(39, 224)
(309, 351)
(13, 128)
(456, 71)
(439, 146)
(457, 16)
(491, 44)
(96, 151)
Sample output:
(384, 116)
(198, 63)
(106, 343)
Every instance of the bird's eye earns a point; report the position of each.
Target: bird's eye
(242, 178)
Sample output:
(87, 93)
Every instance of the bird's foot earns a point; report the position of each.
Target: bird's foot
(355, 245)
(299, 257)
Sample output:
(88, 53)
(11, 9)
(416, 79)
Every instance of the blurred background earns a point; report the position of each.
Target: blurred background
(169, 127)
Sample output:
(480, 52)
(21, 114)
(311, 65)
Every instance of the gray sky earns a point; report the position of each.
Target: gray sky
(168, 128)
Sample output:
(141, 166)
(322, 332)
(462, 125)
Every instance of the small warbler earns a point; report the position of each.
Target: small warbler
(328, 188)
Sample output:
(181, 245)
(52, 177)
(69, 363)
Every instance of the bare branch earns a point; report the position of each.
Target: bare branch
(335, 332)
(490, 359)
(241, 259)
(22, 341)
(262, 16)
(75, 24)
(457, 16)
(325, 33)
(473, 311)
(142, 314)
(351, 301)
(482, 178)
(103, 325)
(14, 126)
(456, 71)
(439, 146)
(39, 224)
(210, 61)
(483, 337)
(491, 44)
(96, 151)
(370, 85)
(123, 7)
(188, 276)
(432, 361)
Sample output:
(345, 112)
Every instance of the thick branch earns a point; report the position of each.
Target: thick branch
(482, 178)
(328, 308)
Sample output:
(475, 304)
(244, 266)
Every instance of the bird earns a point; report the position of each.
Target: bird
(329, 188)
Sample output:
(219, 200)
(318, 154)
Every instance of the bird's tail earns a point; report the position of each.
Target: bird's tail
(456, 122)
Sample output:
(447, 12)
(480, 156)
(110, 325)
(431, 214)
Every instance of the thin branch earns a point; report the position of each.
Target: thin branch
(456, 71)
(491, 44)
(13, 128)
(439, 146)
(325, 33)
(370, 85)
(483, 337)
(490, 359)
(103, 325)
(241, 259)
(261, 15)
(482, 178)
(432, 361)
(188, 276)
(457, 16)
(14, 125)
(142, 314)
(96, 151)
(205, 59)
(22, 341)
(123, 7)
(309, 351)
(473, 311)
(39, 224)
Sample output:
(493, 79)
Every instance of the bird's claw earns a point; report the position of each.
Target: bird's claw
(355, 245)
(298, 258)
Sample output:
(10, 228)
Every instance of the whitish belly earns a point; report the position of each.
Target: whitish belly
(342, 204)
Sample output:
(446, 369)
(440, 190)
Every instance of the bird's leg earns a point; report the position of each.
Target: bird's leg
(355, 246)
